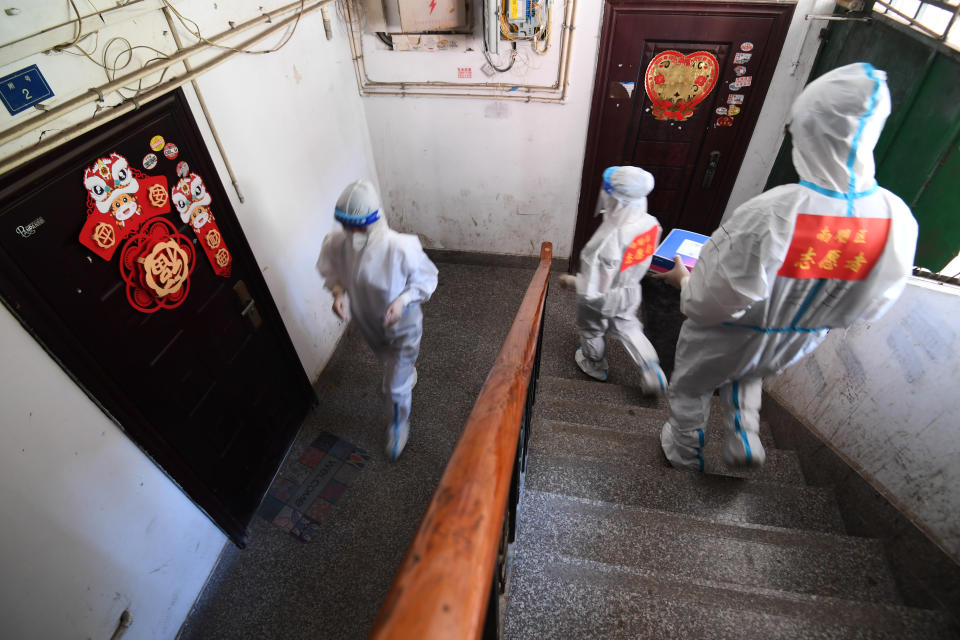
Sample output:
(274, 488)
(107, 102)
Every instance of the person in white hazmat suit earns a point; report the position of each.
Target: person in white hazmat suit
(384, 276)
(787, 266)
(612, 263)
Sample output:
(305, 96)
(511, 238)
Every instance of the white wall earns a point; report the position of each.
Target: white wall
(91, 525)
(481, 175)
(295, 132)
(796, 60)
(486, 175)
(884, 396)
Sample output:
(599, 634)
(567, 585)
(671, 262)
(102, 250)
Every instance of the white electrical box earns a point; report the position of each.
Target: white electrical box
(419, 16)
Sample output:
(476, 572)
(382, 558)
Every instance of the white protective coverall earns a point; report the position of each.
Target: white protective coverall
(388, 266)
(772, 281)
(608, 283)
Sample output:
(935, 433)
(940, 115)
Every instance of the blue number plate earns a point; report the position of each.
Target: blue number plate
(23, 89)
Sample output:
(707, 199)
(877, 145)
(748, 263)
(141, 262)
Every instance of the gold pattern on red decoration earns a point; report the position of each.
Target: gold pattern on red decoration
(166, 268)
(640, 249)
(104, 236)
(158, 195)
(213, 238)
(192, 200)
(156, 263)
(121, 198)
(821, 247)
(676, 83)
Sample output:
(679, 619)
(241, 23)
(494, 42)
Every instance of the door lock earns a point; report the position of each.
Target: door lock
(711, 169)
(248, 304)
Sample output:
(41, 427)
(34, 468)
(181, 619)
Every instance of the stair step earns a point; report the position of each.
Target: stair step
(640, 415)
(552, 437)
(724, 498)
(562, 597)
(589, 390)
(684, 547)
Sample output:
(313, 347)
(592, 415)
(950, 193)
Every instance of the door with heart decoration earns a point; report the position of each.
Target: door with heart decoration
(678, 90)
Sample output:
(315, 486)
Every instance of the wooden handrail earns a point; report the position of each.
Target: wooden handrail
(442, 588)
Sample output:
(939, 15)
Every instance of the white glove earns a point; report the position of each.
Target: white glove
(677, 276)
(395, 310)
(567, 281)
(340, 306)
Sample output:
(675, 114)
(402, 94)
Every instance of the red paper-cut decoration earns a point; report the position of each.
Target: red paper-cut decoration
(192, 200)
(156, 264)
(119, 200)
(676, 83)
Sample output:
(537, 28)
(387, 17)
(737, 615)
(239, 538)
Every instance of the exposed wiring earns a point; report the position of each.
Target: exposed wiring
(513, 58)
(112, 66)
(195, 32)
(386, 39)
(79, 23)
(508, 31)
(549, 29)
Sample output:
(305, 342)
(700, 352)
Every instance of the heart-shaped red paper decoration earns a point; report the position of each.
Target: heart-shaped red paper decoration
(677, 82)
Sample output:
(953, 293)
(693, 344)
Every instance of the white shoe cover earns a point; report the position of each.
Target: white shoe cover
(680, 456)
(654, 381)
(397, 435)
(743, 449)
(398, 431)
(599, 371)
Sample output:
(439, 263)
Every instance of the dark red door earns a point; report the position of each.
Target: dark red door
(212, 390)
(678, 90)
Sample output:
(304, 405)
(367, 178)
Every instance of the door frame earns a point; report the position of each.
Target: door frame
(590, 179)
(26, 303)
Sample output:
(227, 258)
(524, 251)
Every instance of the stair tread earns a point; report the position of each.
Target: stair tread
(562, 597)
(589, 390)
(687, 547)
(721, 497)
(567, 438)
(625, 409)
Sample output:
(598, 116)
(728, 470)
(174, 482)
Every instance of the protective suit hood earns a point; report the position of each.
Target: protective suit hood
(623, 198)
(835, 124)
(358, 205)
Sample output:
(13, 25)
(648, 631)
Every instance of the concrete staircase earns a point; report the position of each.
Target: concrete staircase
(614, 543)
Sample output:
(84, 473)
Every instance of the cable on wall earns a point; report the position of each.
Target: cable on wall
(102, 116)
(195, 32)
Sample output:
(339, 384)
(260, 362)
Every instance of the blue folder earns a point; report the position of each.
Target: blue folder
(686, 244)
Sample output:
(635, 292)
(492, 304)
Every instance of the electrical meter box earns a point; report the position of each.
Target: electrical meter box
(520, 15)
(419, 16)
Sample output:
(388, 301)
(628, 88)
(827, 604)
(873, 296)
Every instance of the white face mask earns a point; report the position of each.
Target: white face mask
(358, 239)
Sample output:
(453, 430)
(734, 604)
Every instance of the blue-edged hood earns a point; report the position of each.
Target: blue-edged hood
(835, 124)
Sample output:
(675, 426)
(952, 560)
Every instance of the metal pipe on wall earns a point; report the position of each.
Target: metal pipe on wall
(366, 86)
(68, 134)
(96, 94)
(565, 43)
(20, 47)
(203, 106)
